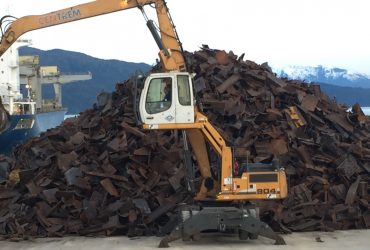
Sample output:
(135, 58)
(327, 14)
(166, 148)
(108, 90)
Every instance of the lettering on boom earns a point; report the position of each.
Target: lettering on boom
(60, 17)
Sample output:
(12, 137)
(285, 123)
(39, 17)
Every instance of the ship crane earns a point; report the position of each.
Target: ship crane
(24, 113)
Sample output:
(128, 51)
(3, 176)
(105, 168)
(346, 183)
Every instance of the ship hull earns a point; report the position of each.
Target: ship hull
(24, 127)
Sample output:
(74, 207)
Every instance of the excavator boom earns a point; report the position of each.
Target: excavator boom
(170, 48)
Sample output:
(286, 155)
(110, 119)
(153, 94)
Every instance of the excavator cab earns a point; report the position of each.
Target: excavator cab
(167, 98)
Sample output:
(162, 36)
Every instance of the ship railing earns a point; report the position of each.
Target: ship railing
(46, 110)
(49, 107)
(76, 73)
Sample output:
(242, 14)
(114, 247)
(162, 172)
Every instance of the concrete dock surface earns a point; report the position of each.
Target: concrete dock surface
(346, 240)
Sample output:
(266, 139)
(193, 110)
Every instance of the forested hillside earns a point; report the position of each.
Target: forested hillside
(79, 96)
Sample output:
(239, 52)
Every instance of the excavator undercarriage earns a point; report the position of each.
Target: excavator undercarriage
(193, 220)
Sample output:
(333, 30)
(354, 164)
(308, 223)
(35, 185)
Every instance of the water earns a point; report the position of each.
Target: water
(70, 116)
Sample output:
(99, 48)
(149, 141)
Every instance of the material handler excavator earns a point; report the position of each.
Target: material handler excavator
(167, 102)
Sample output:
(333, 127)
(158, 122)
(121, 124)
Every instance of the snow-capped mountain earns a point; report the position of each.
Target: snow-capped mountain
(320, 74)
(366, 110)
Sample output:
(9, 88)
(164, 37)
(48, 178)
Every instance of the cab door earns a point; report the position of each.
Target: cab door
(185, 100)
(157, 105)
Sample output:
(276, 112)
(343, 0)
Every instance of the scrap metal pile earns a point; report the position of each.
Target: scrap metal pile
(100, 174)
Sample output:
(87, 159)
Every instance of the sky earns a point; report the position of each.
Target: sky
(332, 33)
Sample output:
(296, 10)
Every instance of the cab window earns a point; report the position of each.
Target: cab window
(183, 90)
(18, 109)
(25, 123)
(27, 109)
(159, 97)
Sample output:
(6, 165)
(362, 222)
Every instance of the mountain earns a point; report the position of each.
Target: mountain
(81, 95)
(335, 76)
(347, 95)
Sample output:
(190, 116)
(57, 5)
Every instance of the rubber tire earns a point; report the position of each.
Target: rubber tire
(243, 235)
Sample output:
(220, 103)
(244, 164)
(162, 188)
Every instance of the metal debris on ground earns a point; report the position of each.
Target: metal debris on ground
(100, 174)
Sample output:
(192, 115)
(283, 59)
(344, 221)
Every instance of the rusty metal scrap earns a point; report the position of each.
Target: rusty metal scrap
(100, 174)
(324, 148)
(93, 187)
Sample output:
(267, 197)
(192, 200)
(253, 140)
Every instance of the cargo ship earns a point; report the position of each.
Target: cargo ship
(21, 80)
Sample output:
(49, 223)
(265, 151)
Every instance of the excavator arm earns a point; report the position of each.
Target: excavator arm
(250, 185)
(170, 47)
